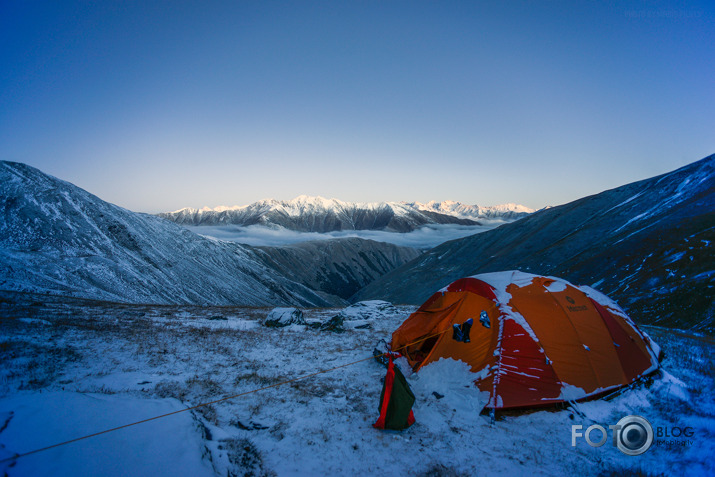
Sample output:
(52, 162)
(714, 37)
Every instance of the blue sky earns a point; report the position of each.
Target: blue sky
(160, 105)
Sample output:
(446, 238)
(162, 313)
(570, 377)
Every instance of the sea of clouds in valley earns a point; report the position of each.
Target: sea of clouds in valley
(423, 238)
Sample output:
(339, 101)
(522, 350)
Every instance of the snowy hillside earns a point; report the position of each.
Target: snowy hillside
(73, 368)
(648, 244)
(316, 214)
(57, 238)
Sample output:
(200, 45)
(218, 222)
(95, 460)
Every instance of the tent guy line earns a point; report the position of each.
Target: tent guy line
(489, 291)
(234, 396)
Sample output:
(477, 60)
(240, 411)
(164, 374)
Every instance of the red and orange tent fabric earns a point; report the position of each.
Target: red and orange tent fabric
(535, 340)
(396, 401)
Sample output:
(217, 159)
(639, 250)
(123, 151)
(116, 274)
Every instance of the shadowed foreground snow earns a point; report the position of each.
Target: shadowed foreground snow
(42, 419)
(71, 368)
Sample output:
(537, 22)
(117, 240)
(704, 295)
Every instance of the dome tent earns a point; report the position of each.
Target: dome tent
(535, 340)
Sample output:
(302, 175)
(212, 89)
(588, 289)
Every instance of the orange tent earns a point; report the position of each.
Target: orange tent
(535, 340)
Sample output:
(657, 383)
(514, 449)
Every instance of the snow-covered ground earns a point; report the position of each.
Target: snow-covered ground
(72, 368)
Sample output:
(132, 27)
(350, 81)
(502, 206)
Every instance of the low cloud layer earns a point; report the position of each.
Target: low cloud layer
(423, 238)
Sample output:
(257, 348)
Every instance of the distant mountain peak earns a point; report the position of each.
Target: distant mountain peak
(317, 214)
(466, 211)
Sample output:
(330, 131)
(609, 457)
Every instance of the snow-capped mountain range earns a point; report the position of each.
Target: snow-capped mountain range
(503, 212)
(56, 238)
(317, 214)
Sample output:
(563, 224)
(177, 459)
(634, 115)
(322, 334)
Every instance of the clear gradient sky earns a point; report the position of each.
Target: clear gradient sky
(158, 105)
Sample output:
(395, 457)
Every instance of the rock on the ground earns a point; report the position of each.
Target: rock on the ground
(335, 324)
(280, 317)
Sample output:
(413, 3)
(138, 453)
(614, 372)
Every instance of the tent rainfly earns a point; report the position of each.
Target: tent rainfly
(534, 340)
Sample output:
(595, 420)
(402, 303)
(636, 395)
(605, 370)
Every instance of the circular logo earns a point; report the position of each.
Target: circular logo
(570, 300)
(634, 435)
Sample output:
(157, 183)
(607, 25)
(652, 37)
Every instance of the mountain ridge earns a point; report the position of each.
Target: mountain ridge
(508, 211)
(317, 214)
(646, 244)
(57, 238)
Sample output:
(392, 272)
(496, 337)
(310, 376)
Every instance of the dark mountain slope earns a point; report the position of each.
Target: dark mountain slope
(648, 244)
(340, 266)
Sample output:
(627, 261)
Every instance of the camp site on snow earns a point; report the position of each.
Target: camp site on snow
(532, 341)
(491, 365)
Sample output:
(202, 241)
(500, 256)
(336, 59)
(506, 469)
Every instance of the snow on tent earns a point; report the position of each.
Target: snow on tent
(534, 340)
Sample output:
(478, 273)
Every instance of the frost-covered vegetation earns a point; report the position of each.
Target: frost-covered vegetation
(72, 367)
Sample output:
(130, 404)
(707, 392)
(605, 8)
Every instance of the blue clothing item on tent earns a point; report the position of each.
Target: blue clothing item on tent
(466, 326)
(457, 333)
(484, 319)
